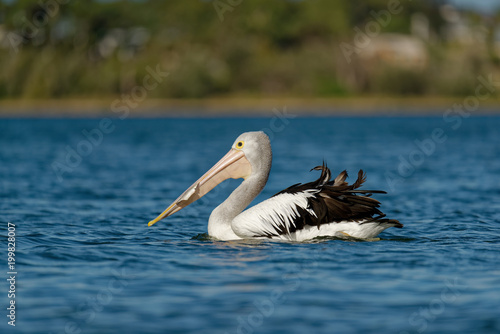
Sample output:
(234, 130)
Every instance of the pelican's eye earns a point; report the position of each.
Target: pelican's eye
(240, 144)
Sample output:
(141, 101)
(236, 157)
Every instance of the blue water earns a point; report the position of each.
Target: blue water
(87, 262)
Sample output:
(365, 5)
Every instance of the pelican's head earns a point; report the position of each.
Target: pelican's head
(249, 154)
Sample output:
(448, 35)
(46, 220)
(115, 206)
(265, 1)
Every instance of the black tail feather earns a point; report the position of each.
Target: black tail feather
(338, 201)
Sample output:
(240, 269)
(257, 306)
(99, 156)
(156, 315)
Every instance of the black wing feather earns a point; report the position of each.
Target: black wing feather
(337, 201)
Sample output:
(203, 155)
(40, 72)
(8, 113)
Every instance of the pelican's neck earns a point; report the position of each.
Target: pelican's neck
(219, 224)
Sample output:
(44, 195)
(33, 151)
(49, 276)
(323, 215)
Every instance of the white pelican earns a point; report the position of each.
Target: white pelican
(300, 212)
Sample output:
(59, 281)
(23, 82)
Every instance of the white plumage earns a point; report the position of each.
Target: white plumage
(270, 216)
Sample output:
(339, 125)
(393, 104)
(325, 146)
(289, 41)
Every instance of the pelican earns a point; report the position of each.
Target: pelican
(301, 212)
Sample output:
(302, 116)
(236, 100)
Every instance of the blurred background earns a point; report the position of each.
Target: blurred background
(244, 50)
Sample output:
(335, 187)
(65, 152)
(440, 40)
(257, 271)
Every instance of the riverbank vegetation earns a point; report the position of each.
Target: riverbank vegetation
(310, 48)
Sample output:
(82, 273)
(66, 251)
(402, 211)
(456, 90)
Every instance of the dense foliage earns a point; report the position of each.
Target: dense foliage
(70, 48)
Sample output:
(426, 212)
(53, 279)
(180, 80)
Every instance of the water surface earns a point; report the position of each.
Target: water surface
(88, 263)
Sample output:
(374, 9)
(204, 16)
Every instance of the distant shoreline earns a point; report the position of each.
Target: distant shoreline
(234, 106)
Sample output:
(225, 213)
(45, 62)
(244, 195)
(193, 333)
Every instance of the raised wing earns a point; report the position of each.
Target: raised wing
(312, 204)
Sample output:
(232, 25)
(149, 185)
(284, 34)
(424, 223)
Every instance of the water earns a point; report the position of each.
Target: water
(88, 263)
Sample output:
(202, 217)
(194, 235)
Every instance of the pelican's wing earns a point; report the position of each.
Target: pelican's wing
(311, 204)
